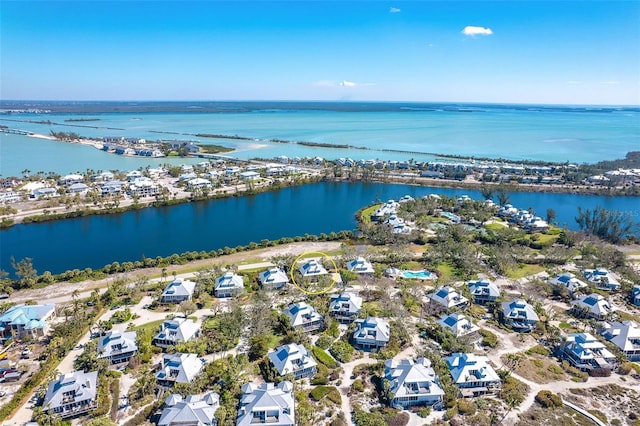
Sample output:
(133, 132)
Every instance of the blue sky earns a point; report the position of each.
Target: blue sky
(571, 52)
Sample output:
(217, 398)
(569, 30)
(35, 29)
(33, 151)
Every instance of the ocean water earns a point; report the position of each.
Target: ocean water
(516, 132)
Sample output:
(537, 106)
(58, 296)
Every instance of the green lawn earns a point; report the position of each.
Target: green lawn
(524, 271)
(444, 272)
(153, 326)
(365, 215)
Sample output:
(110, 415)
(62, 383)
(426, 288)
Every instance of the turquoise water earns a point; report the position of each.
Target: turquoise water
(316, 208)
(537, 133)
(420, 275)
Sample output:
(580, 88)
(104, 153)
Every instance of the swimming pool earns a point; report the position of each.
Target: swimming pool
(418, 275)
(453, 217)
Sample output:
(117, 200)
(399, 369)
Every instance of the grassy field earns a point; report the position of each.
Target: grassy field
(365, 214)
(523, 271)
(214, 149)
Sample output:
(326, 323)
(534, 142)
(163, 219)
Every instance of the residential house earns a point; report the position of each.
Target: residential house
(412, 383)
(194, 410)
(459, 325)
(519, 315)
(293, 359)
(371, 334)
(72, 394)
(586, 353)
(626, 336)
(472, 374)
(273, 279)
(71, 179)
(229, 285)
(635, 295)
(143, 187)
(447, 298)
(305, 317)
(118, 347)
(26, 321)
(602, 278)
(592, 306)
(345, 307)
(249, 175)
(312, 268)
(78, 188)
(267, 404)
(569, 281)
(178, 291)
(178, 368)
(176, 330)
(360, 265)
(484, 291)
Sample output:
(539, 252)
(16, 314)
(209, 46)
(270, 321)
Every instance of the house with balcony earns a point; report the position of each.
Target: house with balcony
(592, 306)
(371, 334)
(519, 315)
(228, 285)
(267, 404)
(118, 347)
(196, 410)
(447, 298)
(345, 307)
(626, 336)
(568, 281)
(473, 374)
(459, 325)
(26, 321)
(484, 291)
(635, 295)
(412, 383)
(178, 291)
(72, 394)
(176, 330)
(293, 359)
(312, 269)
(602, 278)
(273, 279)
(361, 266)
(178, 368)
(586, 353)
(305, 317)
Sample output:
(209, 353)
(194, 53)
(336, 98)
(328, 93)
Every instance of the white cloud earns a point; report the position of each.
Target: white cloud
(345, 83)
(394, 10)
(610, 82)
(472, 31)
(574, 82)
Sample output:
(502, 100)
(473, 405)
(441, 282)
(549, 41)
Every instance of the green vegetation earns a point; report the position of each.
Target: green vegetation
(214, 149)
(330, 392)
(611, 226)
(548, 399)
(342, 351)
(488, 338)
(323, 357)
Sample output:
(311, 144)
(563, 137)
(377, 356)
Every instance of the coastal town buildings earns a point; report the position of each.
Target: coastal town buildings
(459, 325)
(447, 298)
(586, 353)
(592, 306)
(371, 334)
(635, 295)
(483, 291)
(26, 321)
(118, 347)
(267, 404)
(197, 410)
(178, 368)
(228, 285)
(412, 383)
(519, 315)
(305, 317)
(178, 291)
(176, 330)
(72, 394)
(473, 374)
(293, 359)
(312, 268)
(273, 279)
(625, 335)
(569, 282)
(345, 307)
(360, 265)
(602, 278)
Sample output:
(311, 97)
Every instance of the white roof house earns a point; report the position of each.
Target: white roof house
(484, 291)
(72, 394)
(178, 291)
(412, 383)
(312, 268)
(448, 298)
(635, 295)
(117, 346)
(267, 404)
(71, 179)
(360, 265)
(593, 306)
(626, 336)
(304, 316)
(585, 352)
(176, 330)
(273, 278)
(193, 410)
(519, 315)
(568, 281)
(371, 333)
(179, 368)
(293, 359)
(603, 279)
(345, 307)
(458, 324)
(228, 285)
(472, 374)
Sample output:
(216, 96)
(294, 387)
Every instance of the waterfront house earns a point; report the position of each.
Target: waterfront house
(111, 188)
(484, 291)
(360, 265)
(536, 224)
(305, 317)
(626, 336)
(118, 347)
(586, 353)
(389, 208)
(412, 383)
(371, 334)
(178, 291)
(78, 188)
(250, 175)
(194, 410)
(176, 330)
(143, 187)
(635, 295)
(71, 179)
(602, 278)
(198, 183)
(447, 298)
(267, 404)
(8, 197)
(472, 374)
(44, 192)
(178, 368)
(72, 394)
(187, 176)
(133, 175)
(293, 359)
(312, 268)
(459, 325)
(519, 315)
(273, 279)
(228, 285)
(345, 307)
(592, 306)
(232, 170)
(26, 321)
(569, 281)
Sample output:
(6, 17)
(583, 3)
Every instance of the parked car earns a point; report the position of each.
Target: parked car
(2, 393)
